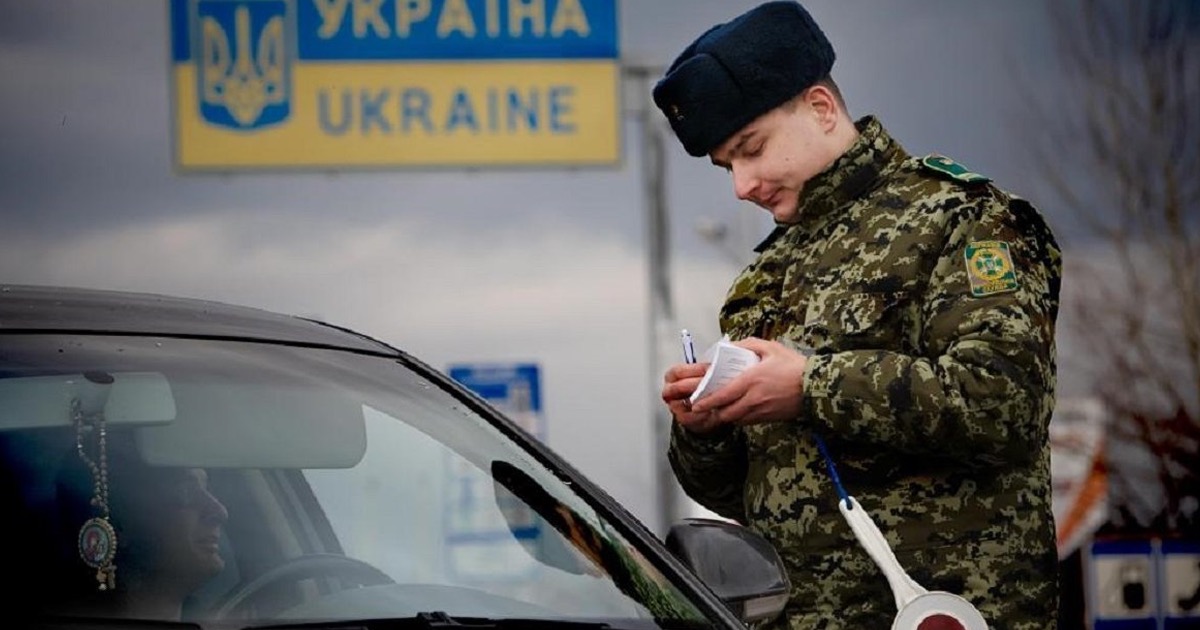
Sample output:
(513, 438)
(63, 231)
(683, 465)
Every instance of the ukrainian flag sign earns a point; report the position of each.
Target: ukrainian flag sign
(335, 84)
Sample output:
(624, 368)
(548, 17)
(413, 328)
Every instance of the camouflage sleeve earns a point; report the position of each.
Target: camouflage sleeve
(711, 469)
(982, 390)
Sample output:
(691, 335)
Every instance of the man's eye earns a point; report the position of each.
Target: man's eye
(755, 152)
(187, 494)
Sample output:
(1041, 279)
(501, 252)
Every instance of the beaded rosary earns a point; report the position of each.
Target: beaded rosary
(97, 539)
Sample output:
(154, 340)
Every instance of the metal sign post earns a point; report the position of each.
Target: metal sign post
(662, 346)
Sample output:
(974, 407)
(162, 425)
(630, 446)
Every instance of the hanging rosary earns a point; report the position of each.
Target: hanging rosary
(97, 539)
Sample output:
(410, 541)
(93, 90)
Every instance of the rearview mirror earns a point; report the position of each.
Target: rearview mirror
(126, 398)
(740, 567)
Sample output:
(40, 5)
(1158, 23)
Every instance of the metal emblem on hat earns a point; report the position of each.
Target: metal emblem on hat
(675, 112)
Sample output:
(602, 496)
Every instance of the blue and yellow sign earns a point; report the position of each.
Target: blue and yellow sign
(381, 83)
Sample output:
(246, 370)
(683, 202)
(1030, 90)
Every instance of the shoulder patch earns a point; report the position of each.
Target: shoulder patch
(945, 166)
(990, 268)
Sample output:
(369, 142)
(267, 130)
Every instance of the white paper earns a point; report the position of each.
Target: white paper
(726, 361)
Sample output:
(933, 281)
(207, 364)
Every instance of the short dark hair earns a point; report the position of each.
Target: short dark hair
(826, 82)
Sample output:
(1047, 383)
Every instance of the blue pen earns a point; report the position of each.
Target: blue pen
(689, 351)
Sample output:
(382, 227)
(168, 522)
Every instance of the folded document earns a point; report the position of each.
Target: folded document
(725, 361)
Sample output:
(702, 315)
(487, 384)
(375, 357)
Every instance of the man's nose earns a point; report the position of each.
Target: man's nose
(744, 183)
(214, 509)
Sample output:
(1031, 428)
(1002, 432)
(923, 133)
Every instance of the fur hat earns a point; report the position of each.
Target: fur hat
(740, 70)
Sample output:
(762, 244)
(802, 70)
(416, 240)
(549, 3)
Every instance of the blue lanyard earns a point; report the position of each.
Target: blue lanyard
(837, 481)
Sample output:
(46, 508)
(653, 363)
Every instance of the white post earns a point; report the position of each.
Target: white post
(663, 330)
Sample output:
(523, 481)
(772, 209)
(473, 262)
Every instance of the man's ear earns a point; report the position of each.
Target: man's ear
(823, 104)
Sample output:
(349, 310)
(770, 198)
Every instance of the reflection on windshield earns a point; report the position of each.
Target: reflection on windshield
(436, 515)
(631, 576)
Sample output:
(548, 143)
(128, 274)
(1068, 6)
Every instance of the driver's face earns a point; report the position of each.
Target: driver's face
(184, 526)
(197, 517)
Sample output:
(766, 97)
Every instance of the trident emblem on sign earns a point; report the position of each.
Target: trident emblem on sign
(243, 85)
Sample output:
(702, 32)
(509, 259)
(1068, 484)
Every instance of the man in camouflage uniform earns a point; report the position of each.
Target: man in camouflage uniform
(903, 309)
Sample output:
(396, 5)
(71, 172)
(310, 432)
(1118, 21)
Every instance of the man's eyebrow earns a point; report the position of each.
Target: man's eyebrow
(746, 135)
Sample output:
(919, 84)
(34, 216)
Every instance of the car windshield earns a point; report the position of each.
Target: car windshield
(226, 482)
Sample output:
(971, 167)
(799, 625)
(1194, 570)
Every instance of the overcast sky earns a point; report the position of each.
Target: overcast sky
(516, 264)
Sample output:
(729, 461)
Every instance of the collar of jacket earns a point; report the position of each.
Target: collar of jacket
(854, 173)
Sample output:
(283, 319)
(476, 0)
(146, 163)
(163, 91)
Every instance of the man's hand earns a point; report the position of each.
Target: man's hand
(679, 382)
(767, 392)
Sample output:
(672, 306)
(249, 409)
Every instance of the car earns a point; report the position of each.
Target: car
(170, 460)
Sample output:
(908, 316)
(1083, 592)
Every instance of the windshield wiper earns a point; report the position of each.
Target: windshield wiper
(438, 620)
(72, 622)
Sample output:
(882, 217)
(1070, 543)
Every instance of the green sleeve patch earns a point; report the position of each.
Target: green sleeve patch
(990, 268)
(945, 166)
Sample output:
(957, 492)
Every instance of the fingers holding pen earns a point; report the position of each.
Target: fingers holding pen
(681, 380)
(683, 372)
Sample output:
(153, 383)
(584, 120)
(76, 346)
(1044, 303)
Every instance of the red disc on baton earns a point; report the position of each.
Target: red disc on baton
(940, 622)
(938, 610)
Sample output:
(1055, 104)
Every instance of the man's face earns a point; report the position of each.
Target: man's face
(181, 521)
(198, 517)
(775, 155)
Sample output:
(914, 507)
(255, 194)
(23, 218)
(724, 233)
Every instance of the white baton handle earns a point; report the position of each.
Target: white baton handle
(871, 539)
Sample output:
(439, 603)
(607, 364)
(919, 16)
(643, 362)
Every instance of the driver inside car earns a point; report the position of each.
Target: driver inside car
(161, 542)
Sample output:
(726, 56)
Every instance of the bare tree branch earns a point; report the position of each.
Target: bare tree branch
(1128, 118)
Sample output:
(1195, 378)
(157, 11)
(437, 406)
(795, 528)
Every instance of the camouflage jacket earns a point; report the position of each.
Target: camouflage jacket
(928, 298)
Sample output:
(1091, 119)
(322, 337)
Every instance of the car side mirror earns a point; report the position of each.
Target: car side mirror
(740, 567)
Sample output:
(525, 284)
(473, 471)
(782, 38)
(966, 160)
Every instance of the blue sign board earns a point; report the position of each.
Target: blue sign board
(339, 30)
(1146, 583)
(1122, 593)
(1180, 578)
(481, 525)
(515, 389)
(457, 29)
